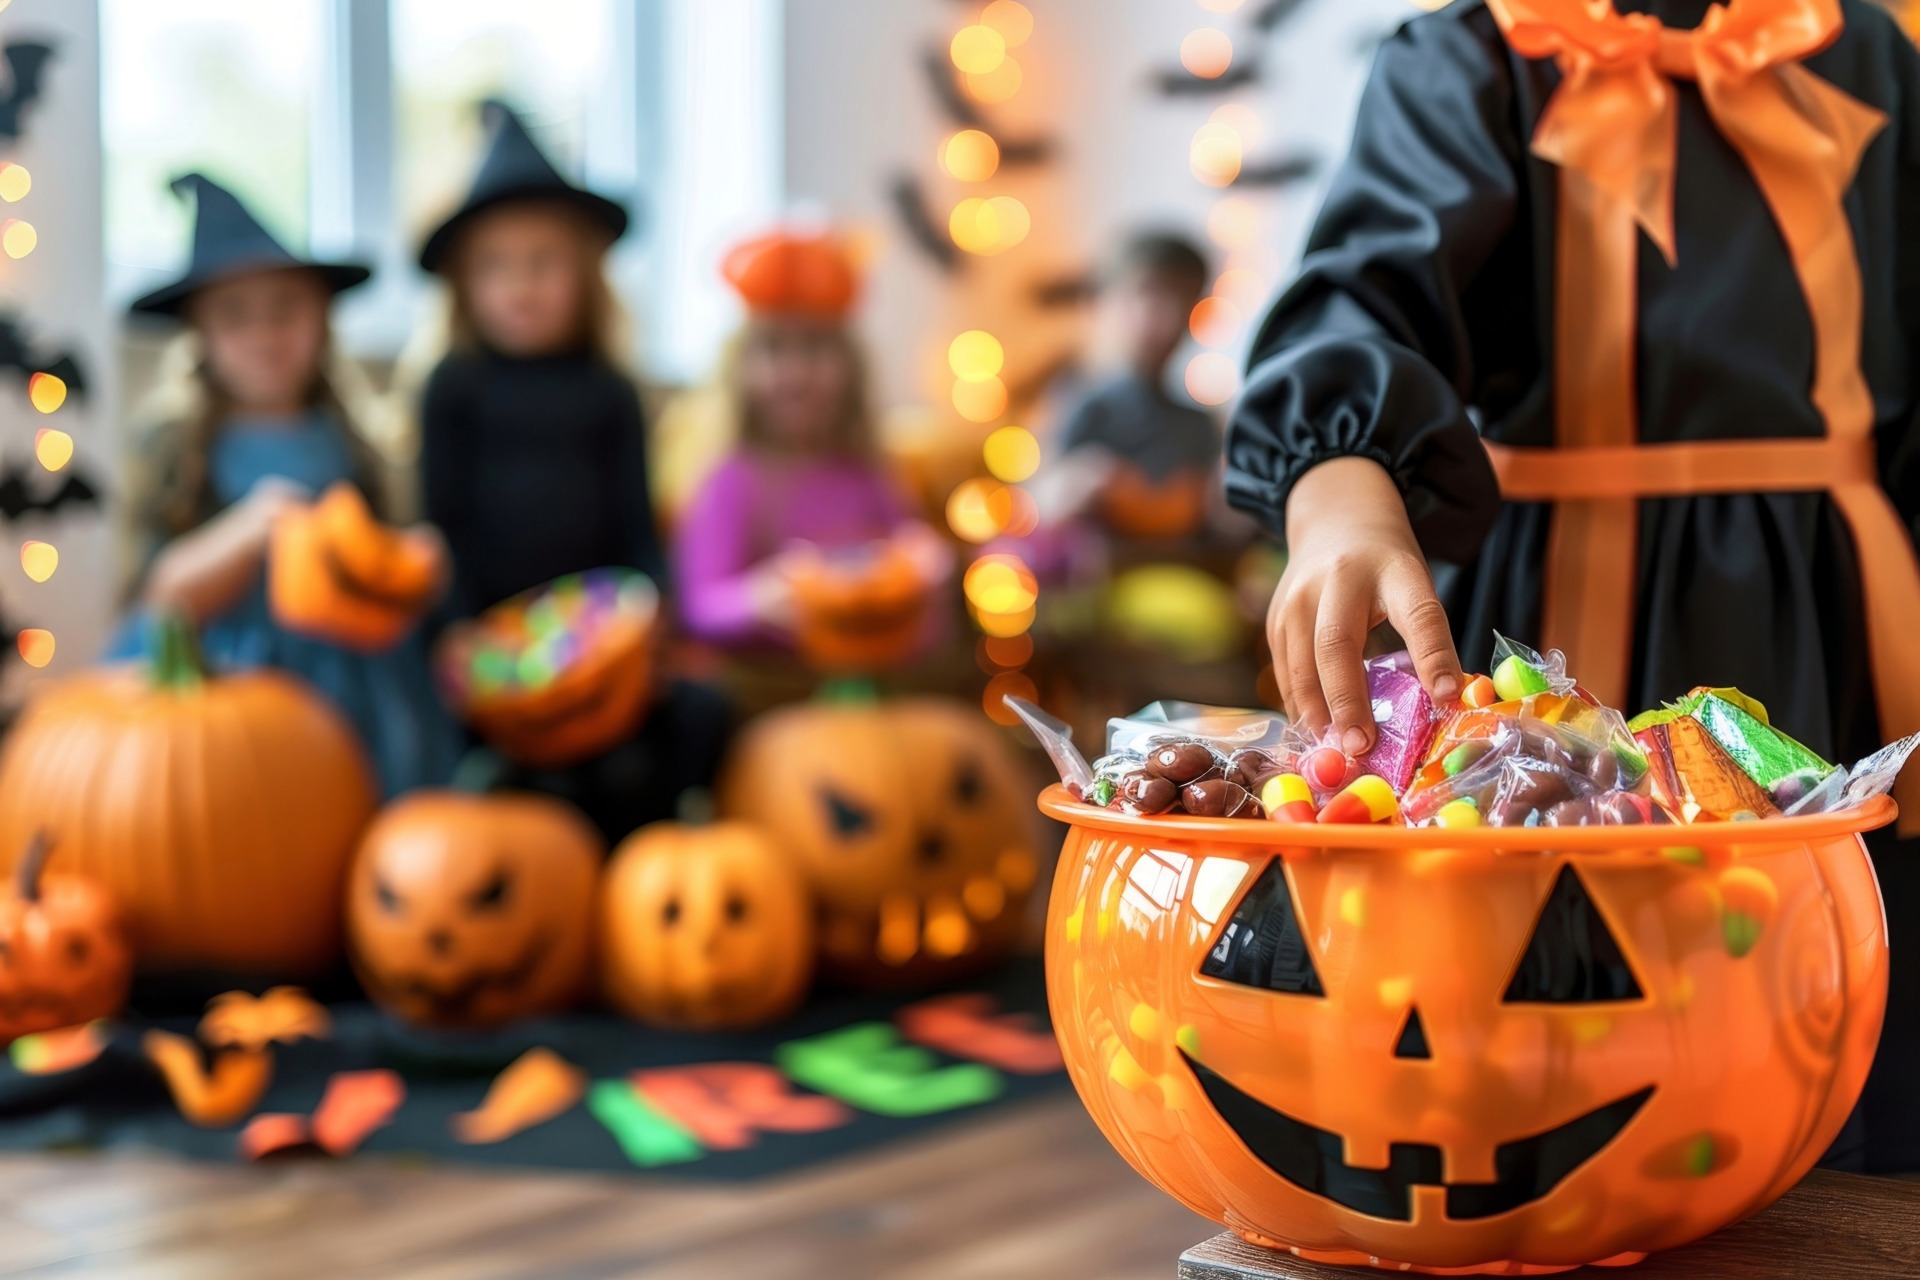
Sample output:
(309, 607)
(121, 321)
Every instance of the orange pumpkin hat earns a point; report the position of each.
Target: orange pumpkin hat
(786, 272)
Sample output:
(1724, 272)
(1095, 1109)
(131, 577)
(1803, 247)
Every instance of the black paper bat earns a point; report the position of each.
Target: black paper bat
(16, 500)
(27, 60)
(1271, 14)
(1026, 151)
(17, 352)
(944, 80)
(1282, 171)
(910, 202)
(1183, 83)
(1058, 292)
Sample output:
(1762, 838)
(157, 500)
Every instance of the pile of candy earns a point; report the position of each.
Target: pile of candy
(1525, 746)
(530, 641)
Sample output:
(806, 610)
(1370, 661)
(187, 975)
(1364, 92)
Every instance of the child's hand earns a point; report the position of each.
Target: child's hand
(272, 497)
(1353, 564)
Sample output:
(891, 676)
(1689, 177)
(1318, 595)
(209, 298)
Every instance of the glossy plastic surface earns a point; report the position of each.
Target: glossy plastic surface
(1467, 1050)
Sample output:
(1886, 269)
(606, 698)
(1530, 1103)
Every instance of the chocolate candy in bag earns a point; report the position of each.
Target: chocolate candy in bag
(1181, 760)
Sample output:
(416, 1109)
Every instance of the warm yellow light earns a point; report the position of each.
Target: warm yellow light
(18, 238)
(981, 401)
(1243, 287)
(1215, 154)
(39, 559)
(1000, 584)
(1013, 20)
(1011, 454)
(1006, 653)
(1211, 378)
(1243, 120)
(36, 647)
(1215, 322)
(977, 50)
(989, 226)
(971, 156)
(15, 182)
(973, 512)
(53, 448)
(997, 85)
(46, 391)
(1233, 221)
(1008, 684)
(1005, 625)
(1207, 53)
(975, 356)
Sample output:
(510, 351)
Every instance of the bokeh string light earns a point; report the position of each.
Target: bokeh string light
(47, 393)
(1207, 53)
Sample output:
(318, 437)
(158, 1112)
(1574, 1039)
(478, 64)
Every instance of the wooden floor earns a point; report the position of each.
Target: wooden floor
(1030, 1192)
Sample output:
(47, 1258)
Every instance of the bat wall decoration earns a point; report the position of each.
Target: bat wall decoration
(17, 352)
(27, 66)
(18, 497)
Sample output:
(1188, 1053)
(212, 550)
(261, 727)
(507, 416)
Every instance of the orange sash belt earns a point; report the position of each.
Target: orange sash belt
(1612, 128)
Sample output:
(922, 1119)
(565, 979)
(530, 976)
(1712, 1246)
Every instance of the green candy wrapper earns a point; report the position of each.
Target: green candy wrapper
(1739, 725)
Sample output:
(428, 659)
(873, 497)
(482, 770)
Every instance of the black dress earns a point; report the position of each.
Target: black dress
(1422, 317)
(537, 468)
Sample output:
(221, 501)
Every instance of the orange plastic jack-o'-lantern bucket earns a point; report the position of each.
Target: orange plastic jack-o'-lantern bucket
(860, 610)
(558, 674)
(1502, 1050)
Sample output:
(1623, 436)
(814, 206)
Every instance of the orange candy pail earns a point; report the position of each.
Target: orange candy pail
(1504, 1051)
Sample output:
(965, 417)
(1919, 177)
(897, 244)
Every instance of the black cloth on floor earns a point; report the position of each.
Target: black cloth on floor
(1423, 318)
(535, 468)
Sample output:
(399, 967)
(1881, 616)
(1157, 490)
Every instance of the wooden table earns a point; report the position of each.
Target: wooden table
(1833, 1226)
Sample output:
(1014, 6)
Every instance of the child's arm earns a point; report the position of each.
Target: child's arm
(203, 572)
(723, 595)
(1352, 439)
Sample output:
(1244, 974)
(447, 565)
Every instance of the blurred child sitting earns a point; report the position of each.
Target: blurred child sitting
(533, 446)
(1144, 463)
(804, 483)
(253, 428)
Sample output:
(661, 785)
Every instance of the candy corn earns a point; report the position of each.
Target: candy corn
(1479, 693)
(1367, 799)
(1287, 798)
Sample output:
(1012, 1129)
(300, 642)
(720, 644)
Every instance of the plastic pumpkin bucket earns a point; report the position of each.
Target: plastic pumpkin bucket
(860, 611)
(584, 705)
(1505, 1050)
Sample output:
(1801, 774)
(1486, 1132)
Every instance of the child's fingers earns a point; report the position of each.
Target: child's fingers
(1290, 636)
(1339, 644)
(1408, 600)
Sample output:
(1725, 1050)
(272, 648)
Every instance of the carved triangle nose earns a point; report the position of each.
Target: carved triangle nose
(1413, 1038)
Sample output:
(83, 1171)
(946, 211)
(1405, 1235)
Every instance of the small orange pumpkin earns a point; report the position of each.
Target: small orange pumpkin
(860, 612)
(473, 911)
(1136, 506)
(337, 572)
(220, 811)
(910, 822)
(63, 950)
(582, 706)
(704, 927)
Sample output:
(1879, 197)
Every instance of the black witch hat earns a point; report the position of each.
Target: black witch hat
(516, 169)
(229, 241)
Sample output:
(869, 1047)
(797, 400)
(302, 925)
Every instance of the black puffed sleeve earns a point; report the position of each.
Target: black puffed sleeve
(1370, 353)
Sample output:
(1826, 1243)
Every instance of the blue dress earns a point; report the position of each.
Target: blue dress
(388, 697)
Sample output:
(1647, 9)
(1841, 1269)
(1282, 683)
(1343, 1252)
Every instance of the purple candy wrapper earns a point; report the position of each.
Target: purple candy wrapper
(1403, 719)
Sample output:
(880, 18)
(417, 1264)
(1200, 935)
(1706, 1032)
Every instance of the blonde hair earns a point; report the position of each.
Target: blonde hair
(852, 434)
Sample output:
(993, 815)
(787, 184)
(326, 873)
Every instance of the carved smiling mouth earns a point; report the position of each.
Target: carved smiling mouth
(455, 1001)
(1312, 1159)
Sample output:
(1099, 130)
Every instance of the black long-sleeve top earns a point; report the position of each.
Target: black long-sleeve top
(1423, 316)
(534, 468)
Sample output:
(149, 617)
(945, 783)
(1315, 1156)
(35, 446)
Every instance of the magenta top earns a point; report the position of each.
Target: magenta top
(753, 507)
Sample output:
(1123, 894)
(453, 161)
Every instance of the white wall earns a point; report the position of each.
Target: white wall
(858, 109)
(57, 291)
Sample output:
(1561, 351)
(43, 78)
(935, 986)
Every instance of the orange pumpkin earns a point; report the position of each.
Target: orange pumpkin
(337, 572)
(909, 821)
(473, 911)
(219, 811)
(1467, 1049)
(1136, 506)
(63, 950)
(704, 927)
(584, 706)
(863, 612)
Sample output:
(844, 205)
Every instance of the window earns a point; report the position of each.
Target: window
(223, 86)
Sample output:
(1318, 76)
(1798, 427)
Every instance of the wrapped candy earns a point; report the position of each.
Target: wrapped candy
(1740, 726)
(1404, 717)
(1516, 767)
(1695, 778)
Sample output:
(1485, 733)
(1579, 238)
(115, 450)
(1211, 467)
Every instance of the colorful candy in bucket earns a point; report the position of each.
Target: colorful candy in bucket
(557, 674)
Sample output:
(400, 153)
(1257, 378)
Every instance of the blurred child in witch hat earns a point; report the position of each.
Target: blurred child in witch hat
(805, 477)
(533, 445)
(251, 425)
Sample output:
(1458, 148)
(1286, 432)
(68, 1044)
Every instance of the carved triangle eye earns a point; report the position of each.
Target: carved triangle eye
(1263, 944)
(1572, 957)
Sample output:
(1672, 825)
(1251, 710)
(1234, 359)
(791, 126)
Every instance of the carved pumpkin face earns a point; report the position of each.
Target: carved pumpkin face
(862, 615)
(907, 818)
(583, 704)
(704, 928)
(1473, 1056)
(337, 572)
(473, 911)
(64, 958)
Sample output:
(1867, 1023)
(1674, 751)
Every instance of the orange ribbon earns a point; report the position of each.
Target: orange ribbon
(1612, 128)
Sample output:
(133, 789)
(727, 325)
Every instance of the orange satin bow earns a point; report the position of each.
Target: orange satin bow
(1612, 127)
